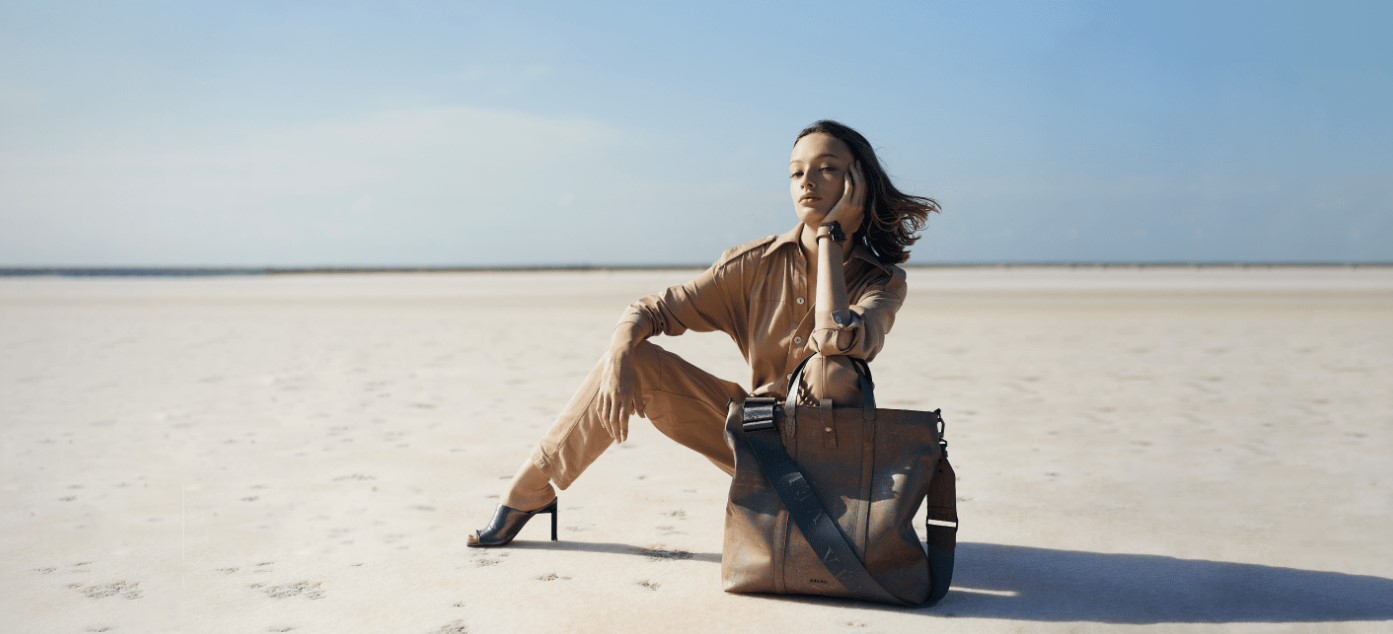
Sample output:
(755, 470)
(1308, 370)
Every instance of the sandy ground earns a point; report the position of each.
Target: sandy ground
(1168, 449)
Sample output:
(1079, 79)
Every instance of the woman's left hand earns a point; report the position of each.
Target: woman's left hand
(851, 208)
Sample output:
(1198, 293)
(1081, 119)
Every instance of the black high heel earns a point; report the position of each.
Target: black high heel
(507, 521)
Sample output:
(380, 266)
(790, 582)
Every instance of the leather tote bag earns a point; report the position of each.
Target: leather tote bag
(824, 498)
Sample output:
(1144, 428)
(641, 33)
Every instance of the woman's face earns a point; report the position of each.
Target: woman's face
(815, 176)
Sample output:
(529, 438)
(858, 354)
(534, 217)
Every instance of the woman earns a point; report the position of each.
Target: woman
(758, 293)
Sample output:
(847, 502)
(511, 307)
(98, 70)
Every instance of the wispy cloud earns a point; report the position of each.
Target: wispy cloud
(361, 180)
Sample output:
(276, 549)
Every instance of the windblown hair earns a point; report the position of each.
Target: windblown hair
(892, 218)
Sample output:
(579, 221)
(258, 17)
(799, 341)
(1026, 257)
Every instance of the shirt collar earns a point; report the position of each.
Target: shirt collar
(790, 238)
(786, 238)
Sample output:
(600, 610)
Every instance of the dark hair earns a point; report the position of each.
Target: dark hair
(892, 217)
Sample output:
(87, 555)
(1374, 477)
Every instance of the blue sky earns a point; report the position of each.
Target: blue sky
(279, 134)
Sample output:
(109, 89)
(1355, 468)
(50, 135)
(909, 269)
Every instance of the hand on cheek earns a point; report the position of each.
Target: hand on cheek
(850, 209)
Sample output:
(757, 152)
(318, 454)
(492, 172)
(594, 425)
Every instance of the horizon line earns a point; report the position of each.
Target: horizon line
(136, 271)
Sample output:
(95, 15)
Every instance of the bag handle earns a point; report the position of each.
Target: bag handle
(863, 376)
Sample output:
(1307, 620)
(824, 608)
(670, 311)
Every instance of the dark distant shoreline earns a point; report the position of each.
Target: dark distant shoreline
(177, 271)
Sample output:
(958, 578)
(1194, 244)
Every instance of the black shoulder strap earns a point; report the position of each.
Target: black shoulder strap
(822, 532)
(941, 525)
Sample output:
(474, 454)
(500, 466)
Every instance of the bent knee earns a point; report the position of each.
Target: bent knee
(831, 378)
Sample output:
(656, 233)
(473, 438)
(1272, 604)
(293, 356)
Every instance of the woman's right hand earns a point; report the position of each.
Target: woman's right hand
(619, 393)
(850, 209)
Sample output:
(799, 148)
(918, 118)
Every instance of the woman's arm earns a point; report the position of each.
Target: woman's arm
(627, 335)
(830, 312)
(700, 305)
(619, 390)
(830, 307)
(856, 330)
(870, 320)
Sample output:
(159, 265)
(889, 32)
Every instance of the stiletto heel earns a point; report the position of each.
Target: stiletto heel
(507, 521)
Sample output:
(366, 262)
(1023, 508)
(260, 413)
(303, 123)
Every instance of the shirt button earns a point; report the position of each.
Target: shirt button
(797, 340)
(800, 300)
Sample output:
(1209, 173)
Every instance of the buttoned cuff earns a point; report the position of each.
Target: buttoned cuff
(839, 339)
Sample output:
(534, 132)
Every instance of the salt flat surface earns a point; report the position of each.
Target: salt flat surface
(1168, 449)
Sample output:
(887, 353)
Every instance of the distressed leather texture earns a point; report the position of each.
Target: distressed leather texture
(871, 473)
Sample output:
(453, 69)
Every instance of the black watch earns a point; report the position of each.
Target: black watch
(835, 231)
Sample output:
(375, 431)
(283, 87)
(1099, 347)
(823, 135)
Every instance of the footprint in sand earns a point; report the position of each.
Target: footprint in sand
(551, 576)
(650, 584)
(658, 553)
(123, 589)
(453, 627)
(298, 589)
(355, 476)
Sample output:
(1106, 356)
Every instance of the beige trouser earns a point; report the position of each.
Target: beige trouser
(683, 401)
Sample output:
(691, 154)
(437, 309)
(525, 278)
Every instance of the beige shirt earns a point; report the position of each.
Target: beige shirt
(759, 294)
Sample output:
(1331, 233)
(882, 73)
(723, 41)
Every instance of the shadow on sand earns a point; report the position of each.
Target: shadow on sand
(1016, 582)
(655, 552)
(1041, 584)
